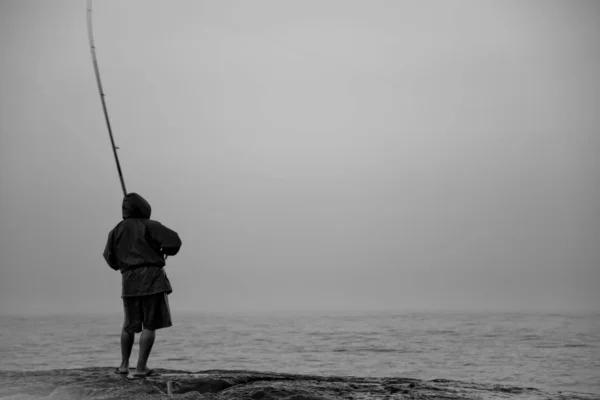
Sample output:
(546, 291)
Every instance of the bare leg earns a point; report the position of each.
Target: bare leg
(146, 342)
(127, 339)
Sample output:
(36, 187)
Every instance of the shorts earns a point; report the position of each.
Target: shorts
(146, 312)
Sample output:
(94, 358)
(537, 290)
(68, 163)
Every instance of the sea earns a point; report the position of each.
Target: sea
(548, 351)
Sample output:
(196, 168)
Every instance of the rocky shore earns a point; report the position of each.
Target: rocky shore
(102, 383)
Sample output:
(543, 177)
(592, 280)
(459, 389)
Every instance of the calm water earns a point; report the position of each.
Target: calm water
(547, 351)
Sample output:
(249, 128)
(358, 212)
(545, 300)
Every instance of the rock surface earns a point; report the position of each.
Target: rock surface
(103, 383)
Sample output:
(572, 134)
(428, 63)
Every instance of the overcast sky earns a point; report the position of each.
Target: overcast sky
(312, 155)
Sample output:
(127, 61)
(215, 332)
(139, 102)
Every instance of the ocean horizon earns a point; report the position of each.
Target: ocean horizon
(556, 351)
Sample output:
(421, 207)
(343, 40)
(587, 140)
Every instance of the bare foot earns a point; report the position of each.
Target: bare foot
(122, 370)
(139, 371)
(142, 374)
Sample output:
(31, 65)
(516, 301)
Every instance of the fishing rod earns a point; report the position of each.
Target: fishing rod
(95, 62)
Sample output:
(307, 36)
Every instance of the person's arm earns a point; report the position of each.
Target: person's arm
(166, 238)
(170, 242)
(109, 253)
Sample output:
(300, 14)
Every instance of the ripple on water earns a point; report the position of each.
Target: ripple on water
(534, 350)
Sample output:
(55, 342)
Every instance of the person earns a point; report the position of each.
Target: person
(138, 247)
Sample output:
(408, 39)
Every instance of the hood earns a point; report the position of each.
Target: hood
(135, 206)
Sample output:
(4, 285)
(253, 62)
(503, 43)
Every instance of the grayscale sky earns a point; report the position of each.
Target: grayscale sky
(312, 155)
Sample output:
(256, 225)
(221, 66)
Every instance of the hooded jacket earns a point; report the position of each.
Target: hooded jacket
(136, 247)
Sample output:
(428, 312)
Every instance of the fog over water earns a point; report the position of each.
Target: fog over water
(340, 155)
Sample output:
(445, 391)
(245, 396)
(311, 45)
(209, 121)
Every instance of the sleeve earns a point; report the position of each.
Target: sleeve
(109, 252)
(169, 240)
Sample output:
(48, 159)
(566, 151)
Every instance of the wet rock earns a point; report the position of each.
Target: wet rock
(102, 383)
